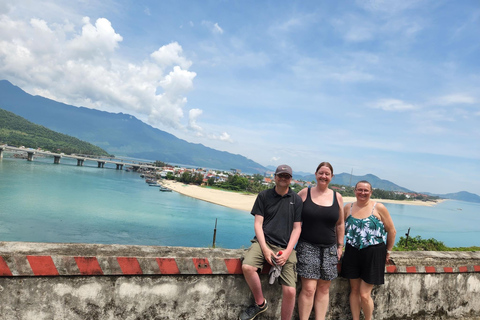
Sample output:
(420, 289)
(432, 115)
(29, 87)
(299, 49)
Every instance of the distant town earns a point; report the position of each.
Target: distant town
(235, 180)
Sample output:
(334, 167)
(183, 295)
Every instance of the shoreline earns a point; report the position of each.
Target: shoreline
(244, 202)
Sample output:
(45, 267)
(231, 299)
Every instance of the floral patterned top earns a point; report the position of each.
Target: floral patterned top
(361, 233)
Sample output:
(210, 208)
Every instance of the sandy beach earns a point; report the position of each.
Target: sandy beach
(245, 202)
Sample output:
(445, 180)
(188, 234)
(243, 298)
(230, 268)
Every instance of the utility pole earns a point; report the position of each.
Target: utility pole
(214, 233)
(407, 234)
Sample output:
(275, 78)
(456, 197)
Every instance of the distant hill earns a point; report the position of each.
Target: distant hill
(346, 179)
(461, 196)
(16, 131)
(119, 134)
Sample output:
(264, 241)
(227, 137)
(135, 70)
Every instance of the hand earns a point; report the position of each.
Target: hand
(388, 261)
(339, 253)
(280, 258)
(268, 254)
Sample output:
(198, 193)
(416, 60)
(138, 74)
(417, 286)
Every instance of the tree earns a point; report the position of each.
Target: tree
(211, 181)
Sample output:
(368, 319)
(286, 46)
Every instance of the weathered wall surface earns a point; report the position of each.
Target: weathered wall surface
(78, 281)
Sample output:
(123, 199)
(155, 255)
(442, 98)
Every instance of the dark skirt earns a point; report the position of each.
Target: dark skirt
(316, 262)
(367, 264)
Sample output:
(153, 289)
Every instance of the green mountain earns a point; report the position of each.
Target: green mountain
(346, 179)
(461, 196)
(120, 134)
(16, 131)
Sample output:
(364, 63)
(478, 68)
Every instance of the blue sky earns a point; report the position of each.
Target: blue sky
(390, 88)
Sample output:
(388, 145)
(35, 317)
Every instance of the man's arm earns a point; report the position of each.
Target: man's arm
(297, 229)
(258, 225)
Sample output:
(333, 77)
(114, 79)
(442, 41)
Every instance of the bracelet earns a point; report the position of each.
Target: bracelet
(389, 251)
(340, 245)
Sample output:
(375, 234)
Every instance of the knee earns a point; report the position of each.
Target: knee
(324, 288)
(308, 291)
(365, 297)
(289, 292)
(248, 270)
(354, 292)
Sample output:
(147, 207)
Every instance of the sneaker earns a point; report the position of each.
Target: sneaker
(253, 311)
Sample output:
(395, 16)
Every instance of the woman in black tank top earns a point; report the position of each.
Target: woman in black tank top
(320, 245)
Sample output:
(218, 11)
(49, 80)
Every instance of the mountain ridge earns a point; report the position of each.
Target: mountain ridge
(347, 179)
(15, 130)
(118, 133)
(123, 134)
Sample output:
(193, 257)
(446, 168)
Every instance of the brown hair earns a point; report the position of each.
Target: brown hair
(364, 181)
(325, 164)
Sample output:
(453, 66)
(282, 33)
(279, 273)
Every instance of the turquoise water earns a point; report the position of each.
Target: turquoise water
(44, 202)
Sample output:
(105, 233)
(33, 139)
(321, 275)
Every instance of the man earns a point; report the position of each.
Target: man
(277, 225)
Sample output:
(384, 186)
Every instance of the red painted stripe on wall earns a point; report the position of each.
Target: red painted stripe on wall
(88, 266)
(448, 269)
(391, 269)
(202, 265)
(430, 270)
(42, 265)
(476, 268)
(168, 266)
(463, 269)
(129, 265)
(411, 270)
(4, 269)
(234, 266)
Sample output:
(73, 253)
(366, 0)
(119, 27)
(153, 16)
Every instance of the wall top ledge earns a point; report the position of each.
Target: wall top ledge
(70, 259)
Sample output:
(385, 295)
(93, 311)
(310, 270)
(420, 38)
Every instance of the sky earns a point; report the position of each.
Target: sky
(383, 87)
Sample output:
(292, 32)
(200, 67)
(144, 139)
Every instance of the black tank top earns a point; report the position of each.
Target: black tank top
(318, 222)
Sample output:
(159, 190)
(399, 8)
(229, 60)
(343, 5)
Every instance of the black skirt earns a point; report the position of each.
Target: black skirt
(367, 264)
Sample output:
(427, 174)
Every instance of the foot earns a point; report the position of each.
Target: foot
(253, 311)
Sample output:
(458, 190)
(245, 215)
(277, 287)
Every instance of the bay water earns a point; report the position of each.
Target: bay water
(45, 202)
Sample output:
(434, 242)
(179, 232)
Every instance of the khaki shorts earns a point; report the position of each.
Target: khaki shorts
(254, 257)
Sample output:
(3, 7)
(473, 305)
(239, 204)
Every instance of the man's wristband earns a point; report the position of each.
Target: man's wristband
(340, 245)
(389, 251)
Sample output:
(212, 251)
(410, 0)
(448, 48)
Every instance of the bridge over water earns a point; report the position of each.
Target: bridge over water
(80, 159)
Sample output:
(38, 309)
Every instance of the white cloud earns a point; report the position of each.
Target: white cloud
(392, 105)
(455, 99)
(213, 27)
(94, 41)
(193, 114)
(171, 54)
(354, 29)
(217, 29)
(352, 76)
(388, 6)
(83, 68)
(224, 136)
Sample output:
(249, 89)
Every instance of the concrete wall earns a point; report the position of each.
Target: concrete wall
(85, 281)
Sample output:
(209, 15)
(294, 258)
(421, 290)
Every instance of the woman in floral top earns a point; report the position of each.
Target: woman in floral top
(370, 235)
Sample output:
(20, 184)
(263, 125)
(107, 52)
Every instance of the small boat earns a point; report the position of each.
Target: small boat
(154, 185)
(165, 189)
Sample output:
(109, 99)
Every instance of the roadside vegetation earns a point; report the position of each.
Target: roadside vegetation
(419, 244)
(16, 131)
